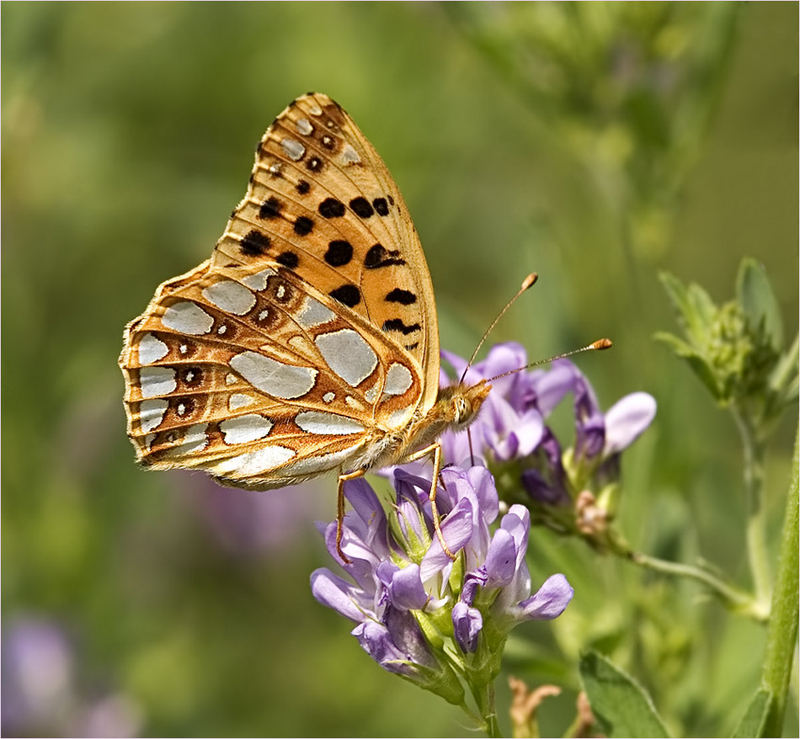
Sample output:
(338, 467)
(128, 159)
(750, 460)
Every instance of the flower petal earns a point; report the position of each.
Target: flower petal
(467, 625)
(406, 591)
(335, 592)
(552, 385)
(456, 530)
(376, 641)
(501, 561)
(529, 431)
(482, 483)
(548, 602)
(626, 420)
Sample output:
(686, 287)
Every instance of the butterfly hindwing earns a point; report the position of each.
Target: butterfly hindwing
(258, 378)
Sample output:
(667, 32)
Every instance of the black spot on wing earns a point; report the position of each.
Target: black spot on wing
(361, 207)
(288, 259)
(254, 243)
(395, 324)
(339, 253)
(270, 208)
(331, 208)
(404, 297)
(303, 225)
(347, 294)
(379, 256)
(381, 208)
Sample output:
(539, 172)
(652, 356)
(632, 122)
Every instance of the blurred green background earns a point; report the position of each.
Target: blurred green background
(596, 144)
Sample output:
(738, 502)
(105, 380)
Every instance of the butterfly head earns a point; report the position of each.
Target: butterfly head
(460, 403)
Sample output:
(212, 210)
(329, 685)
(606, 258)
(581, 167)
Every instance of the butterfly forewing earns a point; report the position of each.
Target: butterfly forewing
(322, 202)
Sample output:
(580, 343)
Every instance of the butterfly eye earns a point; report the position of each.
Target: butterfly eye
(461, 410)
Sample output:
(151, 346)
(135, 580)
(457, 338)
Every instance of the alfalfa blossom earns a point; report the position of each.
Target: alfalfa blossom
(439, 623)
(571, 487)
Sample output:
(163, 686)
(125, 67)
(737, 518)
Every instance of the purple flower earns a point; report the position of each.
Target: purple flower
(504, 583)
(405, 595)
(511, 426)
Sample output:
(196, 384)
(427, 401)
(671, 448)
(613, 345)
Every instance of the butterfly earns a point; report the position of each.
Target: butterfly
(309, 341)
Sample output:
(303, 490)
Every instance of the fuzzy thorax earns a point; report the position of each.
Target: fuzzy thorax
(455, 408)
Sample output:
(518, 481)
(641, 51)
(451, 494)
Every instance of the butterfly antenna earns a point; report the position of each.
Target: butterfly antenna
(598, 345)
(528, 282)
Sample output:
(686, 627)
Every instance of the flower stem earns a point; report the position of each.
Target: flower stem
(782, 629)
(734, 598)
(753, 450)
(484, 697)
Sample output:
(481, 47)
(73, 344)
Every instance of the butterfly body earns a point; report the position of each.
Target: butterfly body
(308, 342)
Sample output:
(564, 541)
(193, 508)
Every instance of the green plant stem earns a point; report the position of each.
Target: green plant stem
(484, 697)
(734, 598)
(782, 628)
(753, 450)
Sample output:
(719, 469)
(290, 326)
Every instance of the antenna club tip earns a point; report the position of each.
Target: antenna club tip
(602, 344)
(529, 281)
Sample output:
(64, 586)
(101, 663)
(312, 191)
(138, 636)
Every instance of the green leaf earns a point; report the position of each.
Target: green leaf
(758, 301)
(620, 705)
(695, 360)
(754, 721)
(695, 308)
(783, 379)
(677, 293)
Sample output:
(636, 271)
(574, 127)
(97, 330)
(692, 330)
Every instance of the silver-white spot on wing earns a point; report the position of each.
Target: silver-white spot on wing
(230, 296)
(293, 149)
(303, 126)
(252, 463)
(188, 318)
(151, 413)
(398, 379)
(194, 440)
(350, 155)
(151, 349)
(244, 429)
(272, 377)
(239, 400)
(155, 381)
(258, 281)
(348, 355)
(314, 313)
(314, 109)
(319, 422)
(329, 397)
(322, 462)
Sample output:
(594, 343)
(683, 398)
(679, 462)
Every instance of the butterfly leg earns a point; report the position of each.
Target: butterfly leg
(436, 448)
(340, 509)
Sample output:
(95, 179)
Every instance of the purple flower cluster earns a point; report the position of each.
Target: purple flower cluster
(442, 622)
(417, 612)
(511, 426)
